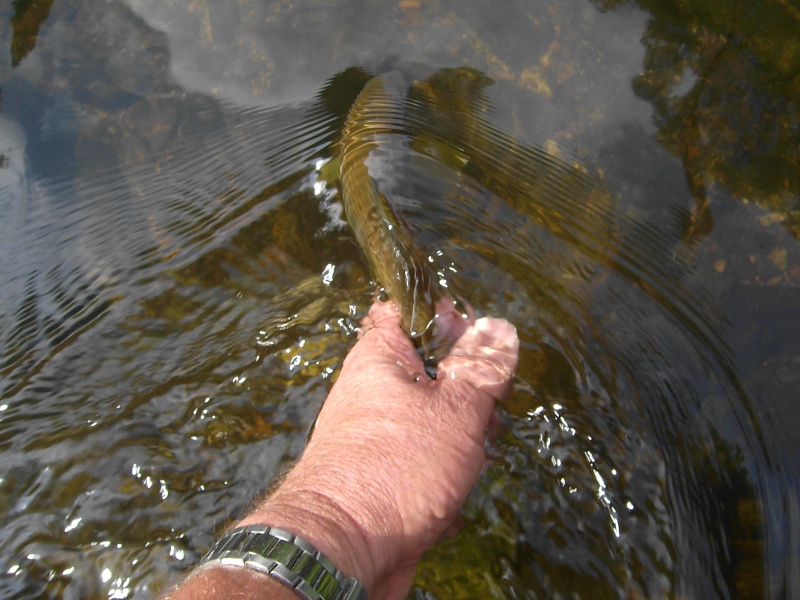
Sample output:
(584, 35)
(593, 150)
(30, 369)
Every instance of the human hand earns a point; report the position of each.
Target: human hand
(393, 455)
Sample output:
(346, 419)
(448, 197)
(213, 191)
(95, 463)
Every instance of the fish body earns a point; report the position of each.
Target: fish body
(396, 262)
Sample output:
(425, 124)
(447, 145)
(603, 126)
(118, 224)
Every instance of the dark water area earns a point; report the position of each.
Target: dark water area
(178, 286)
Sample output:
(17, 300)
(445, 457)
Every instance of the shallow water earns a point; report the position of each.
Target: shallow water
(179, 286)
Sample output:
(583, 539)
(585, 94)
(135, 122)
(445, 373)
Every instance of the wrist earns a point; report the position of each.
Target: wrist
(319, 520)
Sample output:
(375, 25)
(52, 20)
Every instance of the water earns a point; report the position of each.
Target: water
(179, 287)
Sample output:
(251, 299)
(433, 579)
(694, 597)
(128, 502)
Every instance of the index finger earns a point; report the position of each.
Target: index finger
(382, 341)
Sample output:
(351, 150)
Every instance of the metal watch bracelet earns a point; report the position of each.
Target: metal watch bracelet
(289, 559)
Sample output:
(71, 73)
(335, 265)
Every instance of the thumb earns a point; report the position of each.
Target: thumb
(484, 358)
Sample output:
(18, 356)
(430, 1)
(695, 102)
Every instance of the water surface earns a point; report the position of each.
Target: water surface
(178, 286)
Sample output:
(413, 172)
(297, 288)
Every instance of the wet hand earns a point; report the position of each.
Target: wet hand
(394, 454)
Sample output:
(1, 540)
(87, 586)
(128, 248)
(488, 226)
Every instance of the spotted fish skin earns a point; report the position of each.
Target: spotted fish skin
(396, 262)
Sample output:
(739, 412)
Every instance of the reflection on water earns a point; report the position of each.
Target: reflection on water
(179, 285)
(726, 98)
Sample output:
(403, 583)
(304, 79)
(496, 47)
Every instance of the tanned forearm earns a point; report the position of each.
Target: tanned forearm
(217, 582)
(309, 515)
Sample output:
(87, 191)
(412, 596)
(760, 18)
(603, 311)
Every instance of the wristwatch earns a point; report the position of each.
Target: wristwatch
(288, 558)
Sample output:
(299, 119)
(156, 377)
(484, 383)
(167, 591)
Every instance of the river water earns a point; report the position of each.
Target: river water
(178, 287)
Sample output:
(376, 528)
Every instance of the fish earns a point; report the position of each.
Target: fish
(396, 261)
